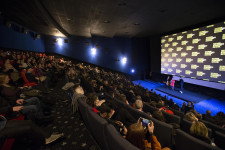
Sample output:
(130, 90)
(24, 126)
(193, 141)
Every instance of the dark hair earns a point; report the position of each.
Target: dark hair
(92, 97)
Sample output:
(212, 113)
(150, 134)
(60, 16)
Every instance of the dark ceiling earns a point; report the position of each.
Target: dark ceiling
(109, 18)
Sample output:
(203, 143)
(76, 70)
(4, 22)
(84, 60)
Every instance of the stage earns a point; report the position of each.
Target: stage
(202, 102)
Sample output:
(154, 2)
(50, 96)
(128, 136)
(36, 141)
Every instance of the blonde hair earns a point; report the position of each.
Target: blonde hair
(190, 116)
(199, 129)
(136, 135)
(2, 78)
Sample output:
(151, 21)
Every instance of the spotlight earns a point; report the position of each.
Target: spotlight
(60, 41)
(132, 70)
(93, 51)
(124, 60)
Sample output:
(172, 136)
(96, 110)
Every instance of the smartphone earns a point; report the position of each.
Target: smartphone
(145, 122)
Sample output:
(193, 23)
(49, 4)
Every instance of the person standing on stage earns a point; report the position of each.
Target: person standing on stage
(168, 81)
(172, 84)
(181, 85)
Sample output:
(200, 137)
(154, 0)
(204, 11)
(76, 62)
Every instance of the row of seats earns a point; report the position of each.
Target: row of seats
(167, 135)
(214, 131)
(107, 137)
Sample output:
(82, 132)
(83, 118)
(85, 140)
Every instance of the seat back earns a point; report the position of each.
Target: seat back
(97, 127)
(149, 108)
(164, 133)
(214, 127)
(178, 113)
(171, 118)
(219, 139)
(116, 141)
(185, 125)
(185, 141)
(83, 107)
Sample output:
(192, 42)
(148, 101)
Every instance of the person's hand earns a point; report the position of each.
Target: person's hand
(17, 108)
(21, 88)
(19, 101)
(124, 130)
(118, 122)
(139, 121)
(151, 127)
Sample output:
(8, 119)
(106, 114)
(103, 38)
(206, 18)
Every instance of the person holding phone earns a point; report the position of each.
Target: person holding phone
(136, 135)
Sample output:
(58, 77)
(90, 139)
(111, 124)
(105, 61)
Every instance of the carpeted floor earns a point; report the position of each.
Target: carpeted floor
(77, 137)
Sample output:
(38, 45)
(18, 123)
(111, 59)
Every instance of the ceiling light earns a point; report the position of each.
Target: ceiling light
(124, 60)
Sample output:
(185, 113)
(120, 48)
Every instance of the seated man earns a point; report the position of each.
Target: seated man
(22, 128)
(138, 105)
(122, 115)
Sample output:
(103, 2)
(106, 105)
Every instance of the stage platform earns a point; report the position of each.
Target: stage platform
(185, 96)
(202, 102)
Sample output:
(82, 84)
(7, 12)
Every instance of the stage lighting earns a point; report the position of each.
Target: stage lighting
(132, 70)
(124, 60)
(60, 41)
(93, 51)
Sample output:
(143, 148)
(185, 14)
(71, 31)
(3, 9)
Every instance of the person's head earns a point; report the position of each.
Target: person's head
(123, 98)
(157, 114)
(136, 135)
(184, 104)
(199, 129)
(189, 104)
(79, 90)
(29, 69)
(92, 99)
(190, 117)
(4, 79)
(220, 114)
(138, 104)
(208, 112)
(160, 103)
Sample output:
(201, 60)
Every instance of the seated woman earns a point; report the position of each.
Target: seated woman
(200, 131)
(136, 136)
(94, 102)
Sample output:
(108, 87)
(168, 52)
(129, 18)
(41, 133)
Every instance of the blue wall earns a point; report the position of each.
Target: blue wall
(109, 52)
(13, 38)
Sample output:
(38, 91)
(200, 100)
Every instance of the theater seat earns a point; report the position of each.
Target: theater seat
(149, 108)
(171, 118)
(185, 141)
(219, 139)
(214, 127)
(97, 127)
(27, 83)
(116, 141)
(8, 143)
(83, 107)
